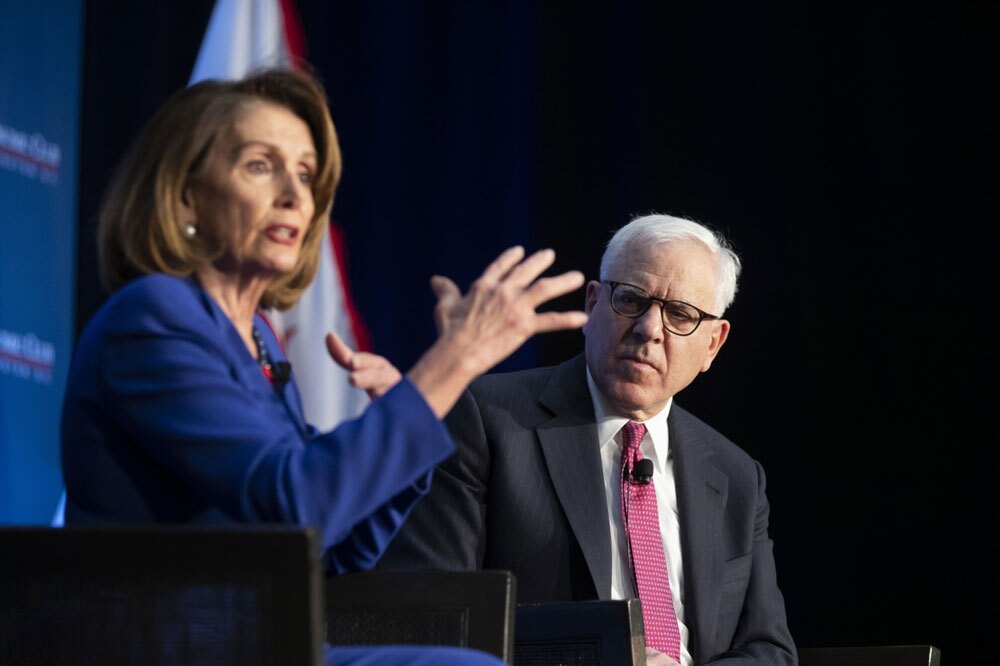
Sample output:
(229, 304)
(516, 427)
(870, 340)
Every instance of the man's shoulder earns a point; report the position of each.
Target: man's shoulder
(560, 386)
(532, 379)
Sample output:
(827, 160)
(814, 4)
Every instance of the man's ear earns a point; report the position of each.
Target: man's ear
(720, 331)
(593, 290)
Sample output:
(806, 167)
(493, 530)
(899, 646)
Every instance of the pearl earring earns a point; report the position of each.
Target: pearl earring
(190, 230)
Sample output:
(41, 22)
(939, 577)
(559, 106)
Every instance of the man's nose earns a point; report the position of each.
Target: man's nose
(649, 325)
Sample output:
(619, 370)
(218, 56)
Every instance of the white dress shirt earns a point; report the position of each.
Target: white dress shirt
(656, 447)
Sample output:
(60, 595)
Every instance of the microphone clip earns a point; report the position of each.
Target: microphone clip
(281, 373)
(642, 472)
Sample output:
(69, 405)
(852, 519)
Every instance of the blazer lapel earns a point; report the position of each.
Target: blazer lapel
(248, 369)
(701, 500)
(287, 395)
(569, 444)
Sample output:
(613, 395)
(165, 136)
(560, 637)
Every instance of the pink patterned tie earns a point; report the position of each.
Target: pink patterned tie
(642, 527)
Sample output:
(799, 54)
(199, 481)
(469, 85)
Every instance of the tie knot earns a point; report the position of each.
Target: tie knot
(632, 435)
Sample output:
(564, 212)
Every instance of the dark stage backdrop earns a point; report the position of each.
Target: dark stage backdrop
(845, 151)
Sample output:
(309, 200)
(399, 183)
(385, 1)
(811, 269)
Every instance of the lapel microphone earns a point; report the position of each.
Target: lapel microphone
(281, 373)
(642, 472)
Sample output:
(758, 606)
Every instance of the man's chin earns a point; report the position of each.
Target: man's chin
(634, 400)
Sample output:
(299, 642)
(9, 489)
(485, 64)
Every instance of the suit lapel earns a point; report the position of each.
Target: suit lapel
(245, 365)
(287, 395)
(569, 444)
(701, 500)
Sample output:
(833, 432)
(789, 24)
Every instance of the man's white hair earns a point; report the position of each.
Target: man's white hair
(656, 229)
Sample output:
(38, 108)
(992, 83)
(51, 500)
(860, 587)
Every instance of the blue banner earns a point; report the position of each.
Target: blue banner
(40, 73)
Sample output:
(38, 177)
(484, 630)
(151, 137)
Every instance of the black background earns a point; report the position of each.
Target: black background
(847, 151)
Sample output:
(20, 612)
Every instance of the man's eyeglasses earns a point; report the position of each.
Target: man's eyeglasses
(679, 318)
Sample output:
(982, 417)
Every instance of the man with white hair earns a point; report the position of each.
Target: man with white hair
(588, 481)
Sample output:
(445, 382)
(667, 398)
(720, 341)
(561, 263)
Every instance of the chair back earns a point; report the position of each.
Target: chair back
(472, 609)
(161, 595)
(879, 655)
(583, 633)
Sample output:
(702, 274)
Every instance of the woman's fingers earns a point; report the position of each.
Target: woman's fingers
(525, 272)
(547, 322)
(546, 289)
(503, 264)
(375, 379)
(370, 372)
(444, 289)
(509, 268)
(368, 361)
(448, 297)
(339, 351)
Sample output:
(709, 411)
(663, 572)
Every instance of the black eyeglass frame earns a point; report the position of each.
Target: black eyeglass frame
(702, 315)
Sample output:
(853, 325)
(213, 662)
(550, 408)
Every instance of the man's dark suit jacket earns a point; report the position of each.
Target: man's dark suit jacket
(525, 492)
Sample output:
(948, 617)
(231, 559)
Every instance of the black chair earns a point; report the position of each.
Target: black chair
(155, 596)
(458, 609)
(582, 633)
(882, 655)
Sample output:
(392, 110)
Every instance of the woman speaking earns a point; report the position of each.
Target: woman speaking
(179, 406)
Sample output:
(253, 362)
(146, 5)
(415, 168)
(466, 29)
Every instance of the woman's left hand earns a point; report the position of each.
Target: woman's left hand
(370, 372)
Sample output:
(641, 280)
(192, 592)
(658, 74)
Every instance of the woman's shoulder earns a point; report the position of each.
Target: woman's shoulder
(157, 298)
(157, 285)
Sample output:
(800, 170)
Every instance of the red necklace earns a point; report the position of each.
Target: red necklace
(263, 358)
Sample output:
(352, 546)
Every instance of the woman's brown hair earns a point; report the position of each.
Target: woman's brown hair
(140, 228)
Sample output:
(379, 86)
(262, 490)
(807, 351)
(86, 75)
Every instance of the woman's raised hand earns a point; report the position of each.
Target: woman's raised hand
(488, 323)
